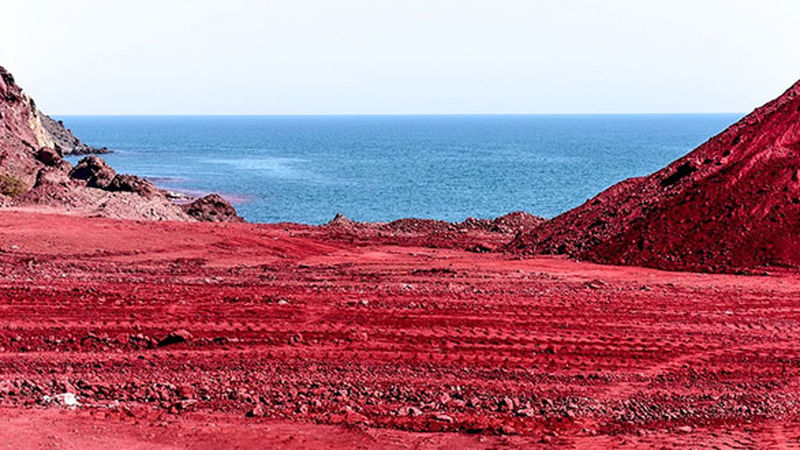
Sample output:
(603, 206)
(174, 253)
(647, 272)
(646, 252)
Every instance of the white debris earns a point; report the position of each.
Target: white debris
(67, 399)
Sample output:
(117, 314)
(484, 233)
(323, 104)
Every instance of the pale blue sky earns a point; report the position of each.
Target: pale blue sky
(402, 56)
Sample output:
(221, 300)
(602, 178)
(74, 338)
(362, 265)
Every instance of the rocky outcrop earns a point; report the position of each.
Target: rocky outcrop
(49, 157)
(98, 174)
(65, 143)
(21, 135)
(212, 208)
(731, 204)
(33, 172)
(94, 171)
(132, 183)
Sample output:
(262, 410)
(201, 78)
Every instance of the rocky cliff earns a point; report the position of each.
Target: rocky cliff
(732, 203)
(64, 141)
(34, 174)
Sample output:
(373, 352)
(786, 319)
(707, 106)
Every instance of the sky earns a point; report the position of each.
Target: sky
(400, 56)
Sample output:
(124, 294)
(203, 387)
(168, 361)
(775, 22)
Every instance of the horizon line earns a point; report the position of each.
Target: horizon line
(393, 114)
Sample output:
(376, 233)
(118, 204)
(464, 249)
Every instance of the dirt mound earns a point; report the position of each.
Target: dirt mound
(479, 235)
(340, 220)
(418, 226)
(517, 221)
(732, 203)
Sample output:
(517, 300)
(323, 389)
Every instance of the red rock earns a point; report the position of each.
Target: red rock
(176, 337)
(257, 411)
(186, 392)
(409, 411)
(212, 208)
(134, 184)
(94, 171)
(48, 157)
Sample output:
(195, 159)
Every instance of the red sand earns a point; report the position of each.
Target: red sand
(329, 342)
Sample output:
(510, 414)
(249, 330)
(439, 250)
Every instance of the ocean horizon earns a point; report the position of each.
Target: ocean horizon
(307, 168)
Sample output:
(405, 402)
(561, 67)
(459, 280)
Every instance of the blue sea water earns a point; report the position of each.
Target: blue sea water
(379, 168)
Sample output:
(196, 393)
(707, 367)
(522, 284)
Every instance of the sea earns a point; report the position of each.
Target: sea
(379, 168)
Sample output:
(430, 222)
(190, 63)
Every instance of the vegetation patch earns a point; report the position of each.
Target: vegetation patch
(11, 186)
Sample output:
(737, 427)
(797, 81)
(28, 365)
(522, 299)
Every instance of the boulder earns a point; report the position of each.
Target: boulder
(52, 176)
(212, 208)
(49, 157)
(66, 399)
(94, 171)
(132, 183)
(176, 337)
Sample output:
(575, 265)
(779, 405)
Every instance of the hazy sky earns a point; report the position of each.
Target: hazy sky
(401, 56)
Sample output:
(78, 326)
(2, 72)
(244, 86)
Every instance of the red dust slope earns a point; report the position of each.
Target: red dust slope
(200, 335)
(732, 203)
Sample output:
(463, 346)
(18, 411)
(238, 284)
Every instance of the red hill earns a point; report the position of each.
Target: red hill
(732, 203)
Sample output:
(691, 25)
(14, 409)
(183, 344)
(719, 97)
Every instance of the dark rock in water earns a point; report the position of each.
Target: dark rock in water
(94, 171)
(212, 208)
(66, 143)
(176, 337)
(132, 183)
(48, 157)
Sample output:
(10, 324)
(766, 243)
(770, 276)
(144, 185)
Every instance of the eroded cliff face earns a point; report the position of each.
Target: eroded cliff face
(64, 141)
(34, 174)
(19, 113)
(21, 136)
(732, 203)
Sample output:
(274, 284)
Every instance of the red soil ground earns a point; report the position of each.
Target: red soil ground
(336, 342)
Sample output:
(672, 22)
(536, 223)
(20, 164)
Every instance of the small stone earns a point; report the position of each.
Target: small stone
(507, 430)
(176, 337)
(409, 411)
(527, 412)
(255, 412)
(186, 392)
(67, 399)
(443, 418)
